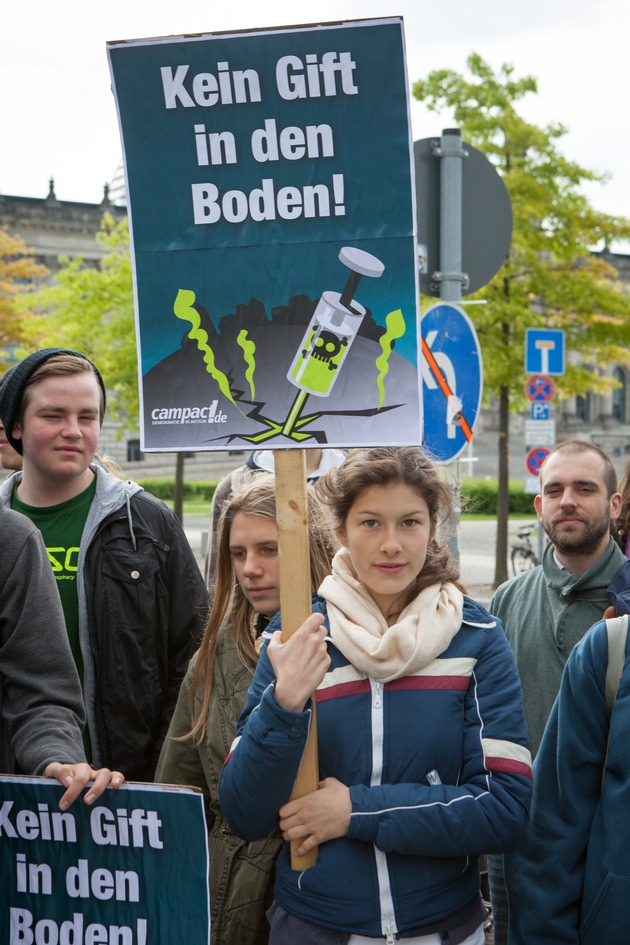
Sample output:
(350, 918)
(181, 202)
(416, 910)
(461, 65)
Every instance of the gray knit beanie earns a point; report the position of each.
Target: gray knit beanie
(14, 381)
(7, 374)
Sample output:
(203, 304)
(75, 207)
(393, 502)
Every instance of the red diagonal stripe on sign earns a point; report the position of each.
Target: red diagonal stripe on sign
(446, 390)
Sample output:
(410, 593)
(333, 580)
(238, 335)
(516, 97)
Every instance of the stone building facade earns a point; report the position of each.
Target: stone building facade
(605, 418)
(54, 228)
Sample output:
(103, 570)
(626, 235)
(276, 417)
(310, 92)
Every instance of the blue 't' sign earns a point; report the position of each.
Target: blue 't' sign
(544, 351)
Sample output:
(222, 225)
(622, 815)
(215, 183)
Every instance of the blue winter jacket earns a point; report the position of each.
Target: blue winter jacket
(439, 772)
(569, 882)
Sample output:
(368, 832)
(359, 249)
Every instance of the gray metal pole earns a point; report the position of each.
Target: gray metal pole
(451, 153)
(451, 278)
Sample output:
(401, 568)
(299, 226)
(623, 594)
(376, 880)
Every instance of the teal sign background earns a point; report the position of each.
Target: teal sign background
(86, 867)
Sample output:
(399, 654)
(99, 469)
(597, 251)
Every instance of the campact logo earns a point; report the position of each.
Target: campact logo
(188, 415)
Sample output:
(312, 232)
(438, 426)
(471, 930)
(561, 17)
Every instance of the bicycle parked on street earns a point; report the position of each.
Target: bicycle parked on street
(522, 554)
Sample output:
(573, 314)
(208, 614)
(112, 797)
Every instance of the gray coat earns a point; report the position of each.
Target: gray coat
(41, 709)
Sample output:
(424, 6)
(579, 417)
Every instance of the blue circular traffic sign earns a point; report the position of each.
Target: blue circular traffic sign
(534, 460)
(539, 388)
(452, 380)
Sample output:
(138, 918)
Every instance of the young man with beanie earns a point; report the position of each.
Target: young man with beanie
(133, 596)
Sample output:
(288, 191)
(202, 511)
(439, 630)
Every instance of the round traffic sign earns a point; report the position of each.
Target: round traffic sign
(539, 388)
(452, 380)
(534, 460)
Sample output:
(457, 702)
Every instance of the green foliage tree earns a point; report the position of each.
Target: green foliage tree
(551, 277)
(18, 273)
(91, 310)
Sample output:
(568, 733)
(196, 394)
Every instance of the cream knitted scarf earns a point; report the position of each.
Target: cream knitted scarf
(359, 630)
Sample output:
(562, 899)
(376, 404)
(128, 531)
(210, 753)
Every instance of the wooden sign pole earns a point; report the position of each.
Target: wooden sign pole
(295, 598)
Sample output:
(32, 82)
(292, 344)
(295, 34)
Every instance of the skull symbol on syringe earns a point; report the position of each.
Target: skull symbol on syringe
(333, 328)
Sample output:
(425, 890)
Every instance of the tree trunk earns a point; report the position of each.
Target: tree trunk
(178, 491)
(503, 496)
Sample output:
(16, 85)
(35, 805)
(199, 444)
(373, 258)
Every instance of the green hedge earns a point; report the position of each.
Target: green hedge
(163, 488)
(480, 495)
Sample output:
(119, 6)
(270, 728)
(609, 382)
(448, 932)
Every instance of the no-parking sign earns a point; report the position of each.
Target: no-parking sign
(535, 458)
(539, 388)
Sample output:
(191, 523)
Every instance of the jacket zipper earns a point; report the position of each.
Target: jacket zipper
(388, 922)
(118, 514)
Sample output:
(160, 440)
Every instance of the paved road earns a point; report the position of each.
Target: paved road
(477, 554)
(477, 551)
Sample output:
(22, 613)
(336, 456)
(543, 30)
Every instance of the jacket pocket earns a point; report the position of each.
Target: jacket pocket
(608, 917)
(131, 582)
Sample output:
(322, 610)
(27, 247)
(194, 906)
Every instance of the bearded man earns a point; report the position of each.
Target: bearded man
(547, 610)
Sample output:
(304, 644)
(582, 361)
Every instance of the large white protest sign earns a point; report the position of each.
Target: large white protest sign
(271, 199)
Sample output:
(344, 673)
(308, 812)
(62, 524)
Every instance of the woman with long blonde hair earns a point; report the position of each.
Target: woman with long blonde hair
(214, 692)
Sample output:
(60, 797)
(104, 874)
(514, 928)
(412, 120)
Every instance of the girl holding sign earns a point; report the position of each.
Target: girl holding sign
(423, 750)
(214, 692)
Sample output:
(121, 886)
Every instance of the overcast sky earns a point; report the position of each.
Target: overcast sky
(58, 117)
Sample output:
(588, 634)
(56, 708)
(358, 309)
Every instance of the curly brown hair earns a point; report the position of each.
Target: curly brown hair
(409, 466)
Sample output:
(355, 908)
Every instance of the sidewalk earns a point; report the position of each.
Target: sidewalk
(478, 551)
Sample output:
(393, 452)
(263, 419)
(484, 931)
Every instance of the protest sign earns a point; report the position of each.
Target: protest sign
(271, 201)
(132, 869)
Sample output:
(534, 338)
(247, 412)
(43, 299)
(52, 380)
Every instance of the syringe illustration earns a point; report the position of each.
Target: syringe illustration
(322, 351)
(330, 333)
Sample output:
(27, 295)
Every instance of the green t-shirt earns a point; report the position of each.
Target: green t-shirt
(62, 528)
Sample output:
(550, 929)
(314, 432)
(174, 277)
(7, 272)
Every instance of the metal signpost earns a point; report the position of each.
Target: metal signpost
(539, 388)
(456, 187)
(544, 356)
